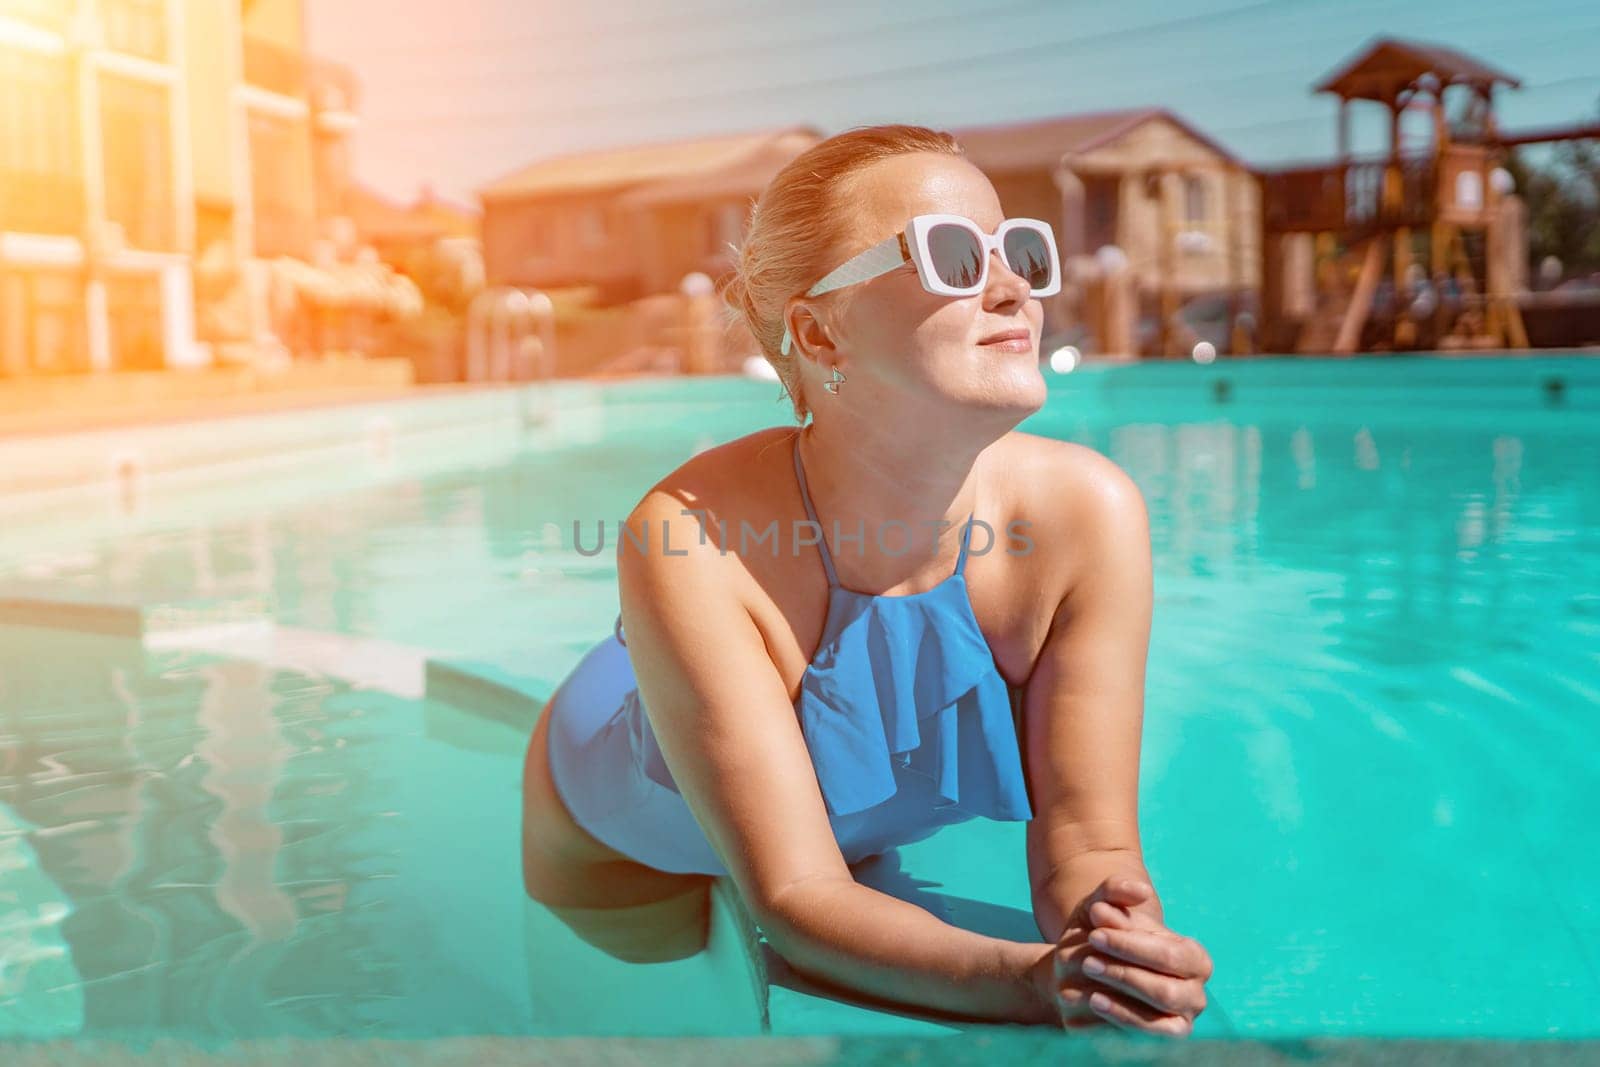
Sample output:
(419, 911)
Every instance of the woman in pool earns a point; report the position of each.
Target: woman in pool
(810, 705)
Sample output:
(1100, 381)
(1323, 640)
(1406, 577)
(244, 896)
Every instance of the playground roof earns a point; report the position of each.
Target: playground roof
(1387, 65)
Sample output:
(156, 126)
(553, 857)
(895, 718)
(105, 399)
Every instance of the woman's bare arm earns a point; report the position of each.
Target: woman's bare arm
(728, 731)
(1084, 701)
(1084, 708)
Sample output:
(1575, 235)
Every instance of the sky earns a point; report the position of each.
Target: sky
(457, 94)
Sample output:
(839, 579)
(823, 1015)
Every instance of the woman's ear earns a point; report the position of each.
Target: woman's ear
(806, 329)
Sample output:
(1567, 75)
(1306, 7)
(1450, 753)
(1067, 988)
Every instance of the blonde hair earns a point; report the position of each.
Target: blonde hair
(801, 213)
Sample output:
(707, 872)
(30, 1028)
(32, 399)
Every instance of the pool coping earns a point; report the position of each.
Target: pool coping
(985, 1046)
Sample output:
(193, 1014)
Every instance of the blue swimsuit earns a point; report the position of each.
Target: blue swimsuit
(909, 724)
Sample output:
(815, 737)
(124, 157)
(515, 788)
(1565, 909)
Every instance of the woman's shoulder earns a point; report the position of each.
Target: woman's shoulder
(1047, 479)
(732, 475)
(717, 492)
(691, 552)
(1069, 500)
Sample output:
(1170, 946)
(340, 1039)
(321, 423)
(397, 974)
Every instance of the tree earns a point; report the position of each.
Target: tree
(1563, 203)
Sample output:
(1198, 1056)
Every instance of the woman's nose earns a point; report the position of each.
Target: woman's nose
(1005, 282)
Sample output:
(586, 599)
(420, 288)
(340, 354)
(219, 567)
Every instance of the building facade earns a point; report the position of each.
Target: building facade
(631, 222)
(1181, 210)
(151, 151)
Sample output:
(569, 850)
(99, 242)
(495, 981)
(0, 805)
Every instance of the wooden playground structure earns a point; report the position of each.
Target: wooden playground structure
(1414, 249)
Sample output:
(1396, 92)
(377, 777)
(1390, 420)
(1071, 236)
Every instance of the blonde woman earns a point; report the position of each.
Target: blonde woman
(837, 639)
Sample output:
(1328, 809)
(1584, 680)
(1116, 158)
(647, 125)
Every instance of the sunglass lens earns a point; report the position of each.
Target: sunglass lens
(957, 256)
(1028, 255)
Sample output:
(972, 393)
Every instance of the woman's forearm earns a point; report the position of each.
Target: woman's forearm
(853, 936)
(1059, 895)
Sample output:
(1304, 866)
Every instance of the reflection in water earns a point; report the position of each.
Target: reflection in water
(1382, 636)
(1430, 561)
(219, 847)
(245, 753)
(41, 992)
(1305, 458)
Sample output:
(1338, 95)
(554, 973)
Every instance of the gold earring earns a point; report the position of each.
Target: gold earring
(832, 384)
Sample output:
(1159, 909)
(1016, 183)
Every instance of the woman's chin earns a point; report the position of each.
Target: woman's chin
(1018, 381)
(1019, 387)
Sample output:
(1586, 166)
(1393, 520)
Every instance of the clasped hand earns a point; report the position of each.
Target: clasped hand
(1117, 964)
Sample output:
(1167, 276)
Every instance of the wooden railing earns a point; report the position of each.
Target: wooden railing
(1349, 196)
(1305, 198)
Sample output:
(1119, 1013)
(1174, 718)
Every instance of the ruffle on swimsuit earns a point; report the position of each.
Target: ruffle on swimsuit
(910, 681)
(905, 681)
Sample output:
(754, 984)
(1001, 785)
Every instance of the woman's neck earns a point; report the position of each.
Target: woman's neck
(887, 492)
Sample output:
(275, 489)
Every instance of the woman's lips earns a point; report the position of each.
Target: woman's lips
(1010, 344)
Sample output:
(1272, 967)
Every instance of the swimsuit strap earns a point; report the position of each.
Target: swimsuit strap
(811, 513)
(822, 545)
(966, 538)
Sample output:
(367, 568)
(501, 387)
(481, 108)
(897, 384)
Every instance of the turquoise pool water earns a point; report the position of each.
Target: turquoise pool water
(1369, 762)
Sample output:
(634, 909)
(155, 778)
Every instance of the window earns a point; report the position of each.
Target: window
(133, 314)
(42, 322)
(1194, 199)
(535, 232)
(136, 134)
(39, 168)
(280, 186)
(1101, 200)
(331, 158)
(591, 227)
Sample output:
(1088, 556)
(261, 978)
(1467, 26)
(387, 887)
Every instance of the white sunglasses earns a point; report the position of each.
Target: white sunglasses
(952, 258)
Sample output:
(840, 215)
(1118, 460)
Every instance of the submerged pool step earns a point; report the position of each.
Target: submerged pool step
(487, 689)
(107, 612)
(80, 616)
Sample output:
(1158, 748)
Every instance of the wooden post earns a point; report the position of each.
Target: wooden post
(1122, 310)
(1231, 216)
(1348, 338)
(1402, 259)
(1438, 249)
(1270, 328)
(1503, 316)
(1070, 188)
(1392, 189)
(1168, 229)
(1073, 235)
